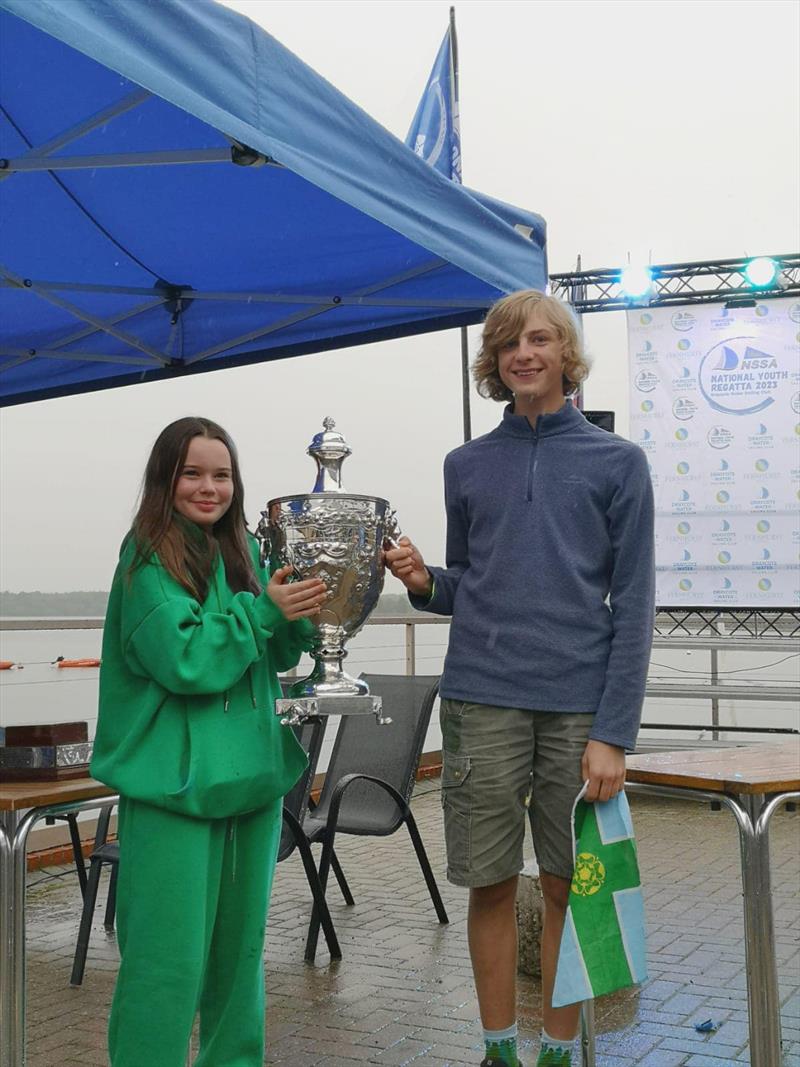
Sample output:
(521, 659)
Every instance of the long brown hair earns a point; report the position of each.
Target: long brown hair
(187, 551)
(506, 321)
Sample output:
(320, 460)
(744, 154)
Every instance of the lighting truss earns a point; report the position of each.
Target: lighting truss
(727, 622)
(713, 281)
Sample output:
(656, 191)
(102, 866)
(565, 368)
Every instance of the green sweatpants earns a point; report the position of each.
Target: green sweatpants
(192, 900)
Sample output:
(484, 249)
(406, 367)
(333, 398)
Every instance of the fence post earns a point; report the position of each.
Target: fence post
(714, 700)
(411, 639)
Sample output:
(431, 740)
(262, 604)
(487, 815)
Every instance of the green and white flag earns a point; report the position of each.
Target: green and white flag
(603, 943)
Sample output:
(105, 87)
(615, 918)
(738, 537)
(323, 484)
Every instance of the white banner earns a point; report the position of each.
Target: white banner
(715, 404)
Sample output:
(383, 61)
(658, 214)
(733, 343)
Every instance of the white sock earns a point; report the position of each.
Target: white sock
(557, 1044)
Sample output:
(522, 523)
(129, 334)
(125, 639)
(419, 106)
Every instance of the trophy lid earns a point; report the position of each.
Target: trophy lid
(329, 450)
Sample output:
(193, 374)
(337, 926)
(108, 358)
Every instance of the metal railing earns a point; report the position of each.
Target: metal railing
(770, 638)
(715, 690)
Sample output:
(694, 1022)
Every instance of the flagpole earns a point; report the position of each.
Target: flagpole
(467, 417)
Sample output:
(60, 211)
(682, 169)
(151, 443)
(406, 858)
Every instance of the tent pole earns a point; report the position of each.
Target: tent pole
(465, 385)
(577, 293)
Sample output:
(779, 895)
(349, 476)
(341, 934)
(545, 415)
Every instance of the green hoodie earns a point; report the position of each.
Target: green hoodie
(187, 690)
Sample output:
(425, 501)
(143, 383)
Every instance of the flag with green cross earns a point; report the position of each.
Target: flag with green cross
(603, 943)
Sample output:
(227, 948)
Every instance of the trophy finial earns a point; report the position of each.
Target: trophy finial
(329, 450)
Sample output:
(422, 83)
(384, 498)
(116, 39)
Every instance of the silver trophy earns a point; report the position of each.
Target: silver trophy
(338, 537)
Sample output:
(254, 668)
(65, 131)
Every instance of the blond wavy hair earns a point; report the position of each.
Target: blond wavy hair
(506, 321)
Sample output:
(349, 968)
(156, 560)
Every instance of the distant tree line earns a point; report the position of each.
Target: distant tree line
(394, 604)
(35, 605)
(92, 603)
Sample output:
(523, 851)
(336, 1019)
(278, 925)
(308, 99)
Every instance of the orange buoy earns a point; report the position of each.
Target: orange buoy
(8, 665)
(77, 663)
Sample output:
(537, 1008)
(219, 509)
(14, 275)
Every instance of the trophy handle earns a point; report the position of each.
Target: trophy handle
(392, 532)
(264, 539)
(266, 546)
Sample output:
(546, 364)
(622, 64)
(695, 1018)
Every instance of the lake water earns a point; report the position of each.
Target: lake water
(42, 693)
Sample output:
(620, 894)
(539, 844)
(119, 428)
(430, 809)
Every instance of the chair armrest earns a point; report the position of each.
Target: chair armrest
(103, 821)
(341, 787)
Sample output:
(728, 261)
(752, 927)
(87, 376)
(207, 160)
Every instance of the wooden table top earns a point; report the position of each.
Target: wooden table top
(766, 768)
(763, 768)
(14, 796)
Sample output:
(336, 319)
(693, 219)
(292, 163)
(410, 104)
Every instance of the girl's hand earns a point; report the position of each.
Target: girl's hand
(296, 600)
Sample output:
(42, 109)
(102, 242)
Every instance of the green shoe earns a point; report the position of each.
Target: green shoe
(549, 1057)
(489, 1062)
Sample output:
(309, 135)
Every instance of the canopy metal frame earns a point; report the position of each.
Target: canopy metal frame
(320, 304)
(39, 158)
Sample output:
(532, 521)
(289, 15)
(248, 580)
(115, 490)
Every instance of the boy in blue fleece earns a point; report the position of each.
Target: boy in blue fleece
(550, 585)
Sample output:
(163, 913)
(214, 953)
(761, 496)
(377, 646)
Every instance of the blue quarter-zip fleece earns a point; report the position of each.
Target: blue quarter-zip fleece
(550, 571)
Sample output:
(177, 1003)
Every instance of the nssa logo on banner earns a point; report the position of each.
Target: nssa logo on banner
(719, 437)
(683, 321)
(645, 381)
(683, 408)
(734, 377)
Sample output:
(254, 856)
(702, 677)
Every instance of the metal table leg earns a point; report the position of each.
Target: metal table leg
(752, 817)
(588, 1053)
(13, 887)
(762, 965)
(8, 821)
(765, 1012)
(759, 938)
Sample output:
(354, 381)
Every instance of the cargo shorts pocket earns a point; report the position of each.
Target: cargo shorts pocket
(455, 773)
(457, 807)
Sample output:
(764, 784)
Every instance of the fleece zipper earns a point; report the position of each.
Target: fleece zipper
(533, 461)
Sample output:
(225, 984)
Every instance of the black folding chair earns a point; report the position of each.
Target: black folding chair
(295, 807)
(71, 819)
(104, 852)
(371, 777)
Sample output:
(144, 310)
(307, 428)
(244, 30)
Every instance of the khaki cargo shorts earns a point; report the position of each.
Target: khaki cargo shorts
(501, 766)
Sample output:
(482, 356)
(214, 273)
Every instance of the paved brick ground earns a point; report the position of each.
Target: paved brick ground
(403, 992)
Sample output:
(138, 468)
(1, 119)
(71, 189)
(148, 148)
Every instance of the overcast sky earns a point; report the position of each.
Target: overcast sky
(663, 130)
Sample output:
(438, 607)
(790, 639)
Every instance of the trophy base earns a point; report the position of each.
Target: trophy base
(330, 684)
(294, 711)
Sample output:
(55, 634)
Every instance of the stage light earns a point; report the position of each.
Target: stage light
(761, 272)
(636, 281)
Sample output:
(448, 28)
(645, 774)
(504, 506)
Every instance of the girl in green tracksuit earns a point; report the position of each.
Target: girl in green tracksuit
(186, 733)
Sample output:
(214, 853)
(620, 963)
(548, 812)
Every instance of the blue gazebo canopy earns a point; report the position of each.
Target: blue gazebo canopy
(180, 193)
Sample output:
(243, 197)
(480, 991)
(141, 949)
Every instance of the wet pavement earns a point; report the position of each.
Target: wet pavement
(403, 994)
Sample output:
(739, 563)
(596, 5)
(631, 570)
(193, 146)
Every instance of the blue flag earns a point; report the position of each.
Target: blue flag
(434, 134)
(603, 943)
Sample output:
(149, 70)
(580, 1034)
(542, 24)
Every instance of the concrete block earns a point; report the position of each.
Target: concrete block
(529, 921)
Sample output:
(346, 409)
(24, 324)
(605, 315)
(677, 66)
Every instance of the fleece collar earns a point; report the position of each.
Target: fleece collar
(568, 417)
